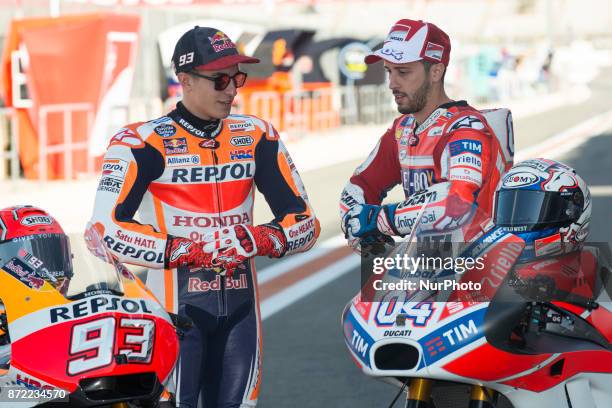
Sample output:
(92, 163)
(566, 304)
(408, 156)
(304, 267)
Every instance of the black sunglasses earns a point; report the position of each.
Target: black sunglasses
(222, 81)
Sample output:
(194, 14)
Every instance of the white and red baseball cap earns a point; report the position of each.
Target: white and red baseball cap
(411, 40)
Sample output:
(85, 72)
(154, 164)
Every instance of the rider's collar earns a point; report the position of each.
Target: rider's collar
(194, 125)
(439, 111)
(450, 104)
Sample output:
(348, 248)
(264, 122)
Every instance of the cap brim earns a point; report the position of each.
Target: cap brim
(389, 56)
(228, 61)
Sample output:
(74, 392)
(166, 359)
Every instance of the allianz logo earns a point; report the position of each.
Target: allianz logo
(183, 159)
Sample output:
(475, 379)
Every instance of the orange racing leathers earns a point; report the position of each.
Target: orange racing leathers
(452, 162)
(187, 180)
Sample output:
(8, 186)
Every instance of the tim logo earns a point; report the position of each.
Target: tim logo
(465, 146)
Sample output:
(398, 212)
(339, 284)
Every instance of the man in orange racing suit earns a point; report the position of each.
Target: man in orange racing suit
(443, 152)
(191, 177)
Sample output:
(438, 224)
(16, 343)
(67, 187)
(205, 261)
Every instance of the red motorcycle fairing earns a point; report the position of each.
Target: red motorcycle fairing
(453, 343)
(64, 344)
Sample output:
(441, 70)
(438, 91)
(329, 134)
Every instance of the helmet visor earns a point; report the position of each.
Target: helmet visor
(37, 258)
(535, 209)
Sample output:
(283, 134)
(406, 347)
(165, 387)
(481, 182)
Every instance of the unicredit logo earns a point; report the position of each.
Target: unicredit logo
(211, 174)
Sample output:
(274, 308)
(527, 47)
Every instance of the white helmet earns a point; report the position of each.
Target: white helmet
(545, 203)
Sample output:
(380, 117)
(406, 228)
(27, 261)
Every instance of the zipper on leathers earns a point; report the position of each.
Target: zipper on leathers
(222, 293)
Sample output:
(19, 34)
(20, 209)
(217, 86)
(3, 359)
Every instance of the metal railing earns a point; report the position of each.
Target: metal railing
(70, 144)
(9, 144)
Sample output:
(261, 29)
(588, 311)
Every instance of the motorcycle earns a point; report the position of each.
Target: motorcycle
(99, 338)
(507, 342)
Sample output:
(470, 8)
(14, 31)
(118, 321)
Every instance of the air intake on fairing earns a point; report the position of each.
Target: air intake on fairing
(396, 356)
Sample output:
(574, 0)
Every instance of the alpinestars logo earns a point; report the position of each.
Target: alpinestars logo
(468, 122)
(183, 249)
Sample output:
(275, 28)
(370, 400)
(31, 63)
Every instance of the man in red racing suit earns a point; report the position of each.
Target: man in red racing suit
(190, 175)
(443, 152)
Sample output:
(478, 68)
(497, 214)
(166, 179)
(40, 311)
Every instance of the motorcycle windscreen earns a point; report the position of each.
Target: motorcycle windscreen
(95, 269)
(534, 209)
(36, 259)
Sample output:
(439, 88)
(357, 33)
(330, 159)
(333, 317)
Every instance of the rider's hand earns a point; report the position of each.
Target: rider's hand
(236, 244)
(364, 220)
(185, 252)
(375, 245)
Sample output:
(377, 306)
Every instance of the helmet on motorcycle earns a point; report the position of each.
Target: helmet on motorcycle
(34, 248)
(545, 203)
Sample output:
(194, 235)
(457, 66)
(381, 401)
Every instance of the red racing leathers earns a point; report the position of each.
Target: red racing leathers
(452, 161)
(186, 180)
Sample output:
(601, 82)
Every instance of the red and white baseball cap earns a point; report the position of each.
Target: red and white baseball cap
(411, 40)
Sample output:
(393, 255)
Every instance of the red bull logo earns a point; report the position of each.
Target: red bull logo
(175, 146)
(35, 282)
(24, 273)
(198, 285)
(220, 42)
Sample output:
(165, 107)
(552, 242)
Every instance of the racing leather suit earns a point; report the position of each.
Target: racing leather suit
(451, 163)
(188, 177)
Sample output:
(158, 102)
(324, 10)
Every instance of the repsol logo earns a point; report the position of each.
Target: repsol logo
(244, 126)
(197, 132)
(136, 253)
(226, 172)
(98, 304)
(299, 243)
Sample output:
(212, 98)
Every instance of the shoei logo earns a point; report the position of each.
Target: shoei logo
(241, 141)
(32, 220)
(520, 179)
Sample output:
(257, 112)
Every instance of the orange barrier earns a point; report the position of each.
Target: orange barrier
(312, 109)
(78, 59)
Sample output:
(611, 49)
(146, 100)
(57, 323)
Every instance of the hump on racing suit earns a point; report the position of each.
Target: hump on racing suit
(451, 163)
(187, 182)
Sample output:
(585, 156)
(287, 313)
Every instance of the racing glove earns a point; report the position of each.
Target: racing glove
(364, 220)
(234, 245)
(185, 252)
